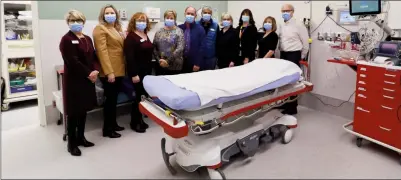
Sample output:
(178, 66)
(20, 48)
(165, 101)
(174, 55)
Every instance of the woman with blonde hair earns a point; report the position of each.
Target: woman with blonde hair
(138, 52)
(268, 44)
(80, 74)
(227, 43)
(109, 41)
(169, 46)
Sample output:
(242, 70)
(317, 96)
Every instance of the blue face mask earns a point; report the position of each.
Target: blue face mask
(189, 18)
(141, 26)
(76, 27)
(110, 18)
(206, 17)
(226, 23)
(169, 22)
(286, 16)
(245, 18)
(267, 26)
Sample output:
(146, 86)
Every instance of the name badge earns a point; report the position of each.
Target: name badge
(75, 42)
(212, 29)
(142, 40)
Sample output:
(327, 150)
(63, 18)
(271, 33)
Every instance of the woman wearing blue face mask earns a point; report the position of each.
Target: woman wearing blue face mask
(268, 44)
(248, 34)
(138, 52)
(109, 40)
(227, 43)
(169, 46)
(80, 74)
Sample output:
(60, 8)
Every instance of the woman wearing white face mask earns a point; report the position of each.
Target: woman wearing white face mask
(169, 46)
(227, 43)
(138, 52)
(80, 73)
(109, 41)
(248, 34)
(268, 44)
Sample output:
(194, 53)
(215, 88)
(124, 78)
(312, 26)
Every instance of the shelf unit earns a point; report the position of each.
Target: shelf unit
(18, 56)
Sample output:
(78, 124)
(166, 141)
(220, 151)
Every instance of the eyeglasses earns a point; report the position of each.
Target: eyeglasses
(76, 21)
(286, 11)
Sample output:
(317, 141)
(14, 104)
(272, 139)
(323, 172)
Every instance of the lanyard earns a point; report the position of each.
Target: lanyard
(242, 31)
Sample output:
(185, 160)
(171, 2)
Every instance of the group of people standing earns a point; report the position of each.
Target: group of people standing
(185, 48)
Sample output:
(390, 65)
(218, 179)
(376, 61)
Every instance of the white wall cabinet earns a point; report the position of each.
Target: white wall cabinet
(18, 57)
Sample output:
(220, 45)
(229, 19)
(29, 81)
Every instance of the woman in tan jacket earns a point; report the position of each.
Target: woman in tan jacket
(109, 41)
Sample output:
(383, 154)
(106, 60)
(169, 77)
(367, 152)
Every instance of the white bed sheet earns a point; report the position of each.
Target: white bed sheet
(214, 84)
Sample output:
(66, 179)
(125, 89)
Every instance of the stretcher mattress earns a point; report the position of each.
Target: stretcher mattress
(179, 98)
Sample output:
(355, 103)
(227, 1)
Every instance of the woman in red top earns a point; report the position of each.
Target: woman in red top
(80, 74)
(138, 52)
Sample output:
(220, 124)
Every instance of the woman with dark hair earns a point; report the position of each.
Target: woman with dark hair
(269, 41)
(138, 50)
(248, 35)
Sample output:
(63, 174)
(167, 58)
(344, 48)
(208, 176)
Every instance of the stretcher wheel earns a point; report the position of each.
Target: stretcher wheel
(287, 135)
(275, 132)
(359, 142)
(59, 122)
(166, 157)
(216, 174)
(65, 137)
(5, 107)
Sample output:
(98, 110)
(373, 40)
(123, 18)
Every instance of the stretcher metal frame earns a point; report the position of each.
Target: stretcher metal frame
(179, 126)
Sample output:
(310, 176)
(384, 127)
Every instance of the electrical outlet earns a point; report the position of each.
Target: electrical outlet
(123, 14)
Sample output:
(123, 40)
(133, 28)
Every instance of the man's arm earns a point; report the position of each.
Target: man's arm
(304, 37)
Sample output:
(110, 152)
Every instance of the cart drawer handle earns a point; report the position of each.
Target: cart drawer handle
(388, 82)
(361, 82)
(361, 89)
(391, 90)
(385, 107)
(385, 129)
(388, 97)
(389, 75)
(362, 75)
(361, 109)
(362, 96)
(363, 69)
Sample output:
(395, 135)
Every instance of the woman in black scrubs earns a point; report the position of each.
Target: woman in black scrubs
(248, 34)
(268, 44)
(227, 43)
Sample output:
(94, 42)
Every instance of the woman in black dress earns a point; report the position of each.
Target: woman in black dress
(248, 35)
(227, 43)
(268, 44)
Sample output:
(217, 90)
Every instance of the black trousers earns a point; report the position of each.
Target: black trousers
(75, 128)
(111, 91)
(136, 115)
(295, 57)
(162, 71)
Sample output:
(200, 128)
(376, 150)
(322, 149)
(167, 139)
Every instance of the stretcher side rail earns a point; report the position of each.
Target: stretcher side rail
(204, 127)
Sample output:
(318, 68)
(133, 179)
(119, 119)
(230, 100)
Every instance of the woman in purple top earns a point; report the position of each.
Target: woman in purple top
(169, 46)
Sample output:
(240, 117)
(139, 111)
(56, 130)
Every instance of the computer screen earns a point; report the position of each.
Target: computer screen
(389, 49)
(344, 17)
(365, 7)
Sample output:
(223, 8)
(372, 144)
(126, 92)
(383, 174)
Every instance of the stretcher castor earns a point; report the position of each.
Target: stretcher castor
(216, 174)
(359, 142)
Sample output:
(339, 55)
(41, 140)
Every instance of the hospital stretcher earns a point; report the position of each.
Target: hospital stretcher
(209, 137)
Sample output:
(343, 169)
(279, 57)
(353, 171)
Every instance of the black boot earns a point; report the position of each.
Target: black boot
(81, 140)
(137, 127)
(144, 125)
(72, 147)
(111, 134)
(118, 128)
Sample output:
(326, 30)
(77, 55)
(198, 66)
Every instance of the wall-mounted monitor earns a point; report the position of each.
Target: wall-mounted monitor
(344, 17)
(368, 7)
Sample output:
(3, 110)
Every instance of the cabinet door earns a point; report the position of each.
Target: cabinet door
(389, 127)
(364, 121)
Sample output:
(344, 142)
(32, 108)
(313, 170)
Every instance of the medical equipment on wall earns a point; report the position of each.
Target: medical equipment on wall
(388, 53)
(209, 135)
(345, 18)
